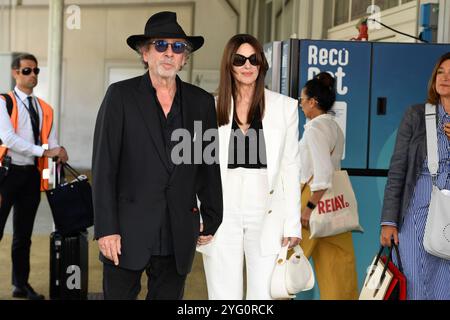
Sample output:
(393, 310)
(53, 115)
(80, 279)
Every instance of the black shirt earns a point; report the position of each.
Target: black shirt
(249, 150)
(173, 122)
(168, 125)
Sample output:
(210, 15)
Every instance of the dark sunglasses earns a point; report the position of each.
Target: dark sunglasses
(178, 47)
(239, 60)
(27, 71)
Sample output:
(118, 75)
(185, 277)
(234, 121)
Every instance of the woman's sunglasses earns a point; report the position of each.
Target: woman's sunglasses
(239, 60)
(178, 47)
(27, 71)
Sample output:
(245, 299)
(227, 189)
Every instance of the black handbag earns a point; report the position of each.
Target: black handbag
(71, 203)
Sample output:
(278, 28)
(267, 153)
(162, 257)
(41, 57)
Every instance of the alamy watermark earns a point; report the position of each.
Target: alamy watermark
(73, 21)
(203, 146)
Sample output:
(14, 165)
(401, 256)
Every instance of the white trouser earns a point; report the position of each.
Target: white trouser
(245, 196)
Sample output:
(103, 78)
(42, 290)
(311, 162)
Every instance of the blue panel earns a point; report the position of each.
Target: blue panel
(429, 15)
(425, 12)
(369, 192)
(349, 61)
(429, 34)
(400, 73)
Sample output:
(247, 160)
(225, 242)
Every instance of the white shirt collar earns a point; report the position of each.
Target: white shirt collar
(322, 116)
(22, 95)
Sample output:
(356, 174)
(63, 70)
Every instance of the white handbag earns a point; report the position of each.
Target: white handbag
(291, 276)
(436, 239)
(337, 210)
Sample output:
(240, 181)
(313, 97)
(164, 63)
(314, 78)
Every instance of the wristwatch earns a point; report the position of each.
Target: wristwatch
(310, 205)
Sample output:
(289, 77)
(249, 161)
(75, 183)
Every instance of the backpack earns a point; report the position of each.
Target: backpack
(9, 102)
(9, 105)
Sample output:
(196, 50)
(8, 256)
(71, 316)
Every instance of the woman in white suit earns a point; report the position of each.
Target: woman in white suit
(259, 162)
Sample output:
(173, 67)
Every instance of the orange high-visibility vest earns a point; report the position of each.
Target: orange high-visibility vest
(47, 122)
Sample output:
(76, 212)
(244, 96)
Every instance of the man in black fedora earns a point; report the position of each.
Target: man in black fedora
(145, 202)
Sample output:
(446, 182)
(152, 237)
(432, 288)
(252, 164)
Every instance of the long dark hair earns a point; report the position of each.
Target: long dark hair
(227, 85)
(433, 96)
(322, 89)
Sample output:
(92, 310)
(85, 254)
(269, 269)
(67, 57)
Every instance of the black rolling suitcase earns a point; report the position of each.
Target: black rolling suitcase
(69, 266)
(69, 257)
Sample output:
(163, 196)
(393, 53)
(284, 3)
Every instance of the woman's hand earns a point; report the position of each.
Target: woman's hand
(306, 212)
(447, 130)
(387, 232)
(202, 240)
(306, 215)
(293, 241)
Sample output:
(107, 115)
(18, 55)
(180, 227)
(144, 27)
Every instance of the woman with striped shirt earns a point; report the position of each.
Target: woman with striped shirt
(408, 191)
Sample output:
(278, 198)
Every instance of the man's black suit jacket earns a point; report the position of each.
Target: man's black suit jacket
(131, 181)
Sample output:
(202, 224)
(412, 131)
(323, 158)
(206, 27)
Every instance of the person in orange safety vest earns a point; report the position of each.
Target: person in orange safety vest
(28, 137)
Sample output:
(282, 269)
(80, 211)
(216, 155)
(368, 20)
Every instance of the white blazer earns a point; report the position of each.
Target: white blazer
(280, 127)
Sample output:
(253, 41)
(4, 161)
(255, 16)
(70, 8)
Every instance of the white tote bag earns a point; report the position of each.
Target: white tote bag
(337, 210)
(291, 276)
(436, 239)
(378, 279)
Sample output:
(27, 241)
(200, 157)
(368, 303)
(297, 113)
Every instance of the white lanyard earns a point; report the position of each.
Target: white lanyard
(28, 108)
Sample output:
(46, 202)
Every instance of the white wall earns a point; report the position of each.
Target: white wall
(444, 22)
(285, 26)
(402, 18)
(4, 26)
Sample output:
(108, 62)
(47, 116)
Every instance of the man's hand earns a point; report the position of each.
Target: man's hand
(58, 152)
(293, 241)
(110, 247)
(387, 232)
(202, 240)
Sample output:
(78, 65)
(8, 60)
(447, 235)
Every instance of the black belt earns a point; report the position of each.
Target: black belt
(23, 168)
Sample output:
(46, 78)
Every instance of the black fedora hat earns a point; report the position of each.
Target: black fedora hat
(163, 25)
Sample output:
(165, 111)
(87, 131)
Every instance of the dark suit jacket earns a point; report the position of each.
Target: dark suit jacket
(406, 163)
(132, 187)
